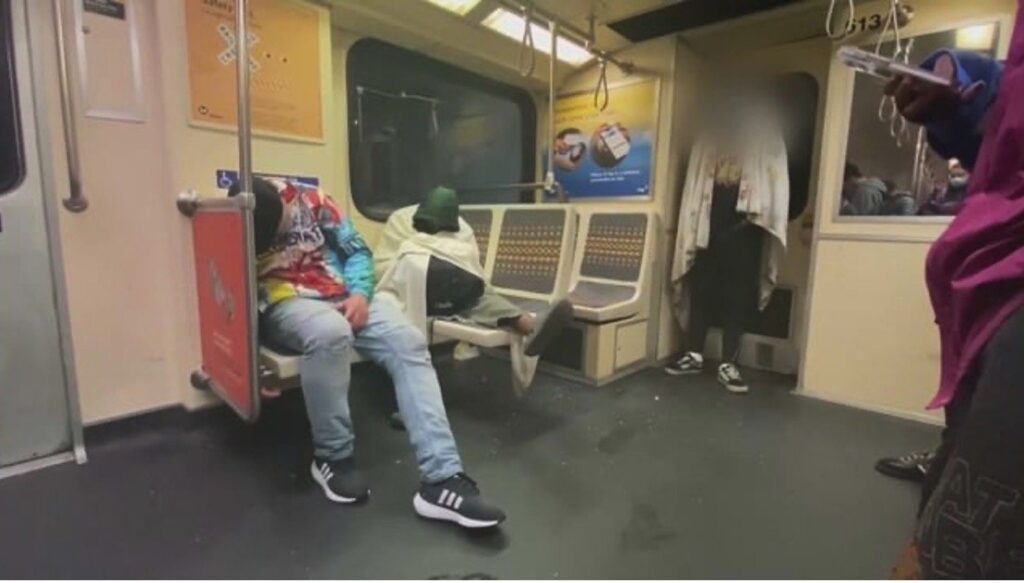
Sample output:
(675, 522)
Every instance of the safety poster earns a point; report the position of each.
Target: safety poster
(284, 63)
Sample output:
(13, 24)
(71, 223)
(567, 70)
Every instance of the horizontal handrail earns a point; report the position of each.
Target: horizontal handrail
(190, 202)
(553, 187)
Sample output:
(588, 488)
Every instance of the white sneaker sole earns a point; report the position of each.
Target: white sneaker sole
(319, 479)
(435, 512)
(735, 390)
(681, 373)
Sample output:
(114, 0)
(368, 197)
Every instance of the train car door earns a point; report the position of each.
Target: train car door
(37, 413)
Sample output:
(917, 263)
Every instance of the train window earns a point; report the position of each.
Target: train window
(890, 170)
(12, 163)
(415, 123)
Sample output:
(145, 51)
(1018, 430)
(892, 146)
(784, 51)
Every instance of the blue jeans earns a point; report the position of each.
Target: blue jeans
(324, 337)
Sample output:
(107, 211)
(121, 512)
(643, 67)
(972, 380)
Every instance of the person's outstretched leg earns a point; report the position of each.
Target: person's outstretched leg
(324, 338)
(447, 493)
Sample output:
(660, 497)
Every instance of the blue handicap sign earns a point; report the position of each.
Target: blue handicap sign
(225, 178)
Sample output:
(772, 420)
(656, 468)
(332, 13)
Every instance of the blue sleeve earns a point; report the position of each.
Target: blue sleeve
(961, 136)
(349, 253)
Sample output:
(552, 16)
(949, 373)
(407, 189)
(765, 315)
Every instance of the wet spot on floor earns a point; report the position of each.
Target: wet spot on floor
(645, 531)
(615, 440)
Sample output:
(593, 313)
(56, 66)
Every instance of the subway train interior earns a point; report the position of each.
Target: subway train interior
(420, 289)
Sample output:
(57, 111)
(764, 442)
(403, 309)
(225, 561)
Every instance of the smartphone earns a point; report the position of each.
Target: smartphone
(615, 141)
(886, 68)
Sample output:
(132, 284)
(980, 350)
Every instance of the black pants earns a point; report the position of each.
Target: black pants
(972, 518)
(724, 281)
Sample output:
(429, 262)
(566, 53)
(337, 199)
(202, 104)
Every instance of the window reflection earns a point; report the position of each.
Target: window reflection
(877, 196)
(891, 176)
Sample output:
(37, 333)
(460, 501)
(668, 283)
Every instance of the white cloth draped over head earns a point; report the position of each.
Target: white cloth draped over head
(763, 199)
(403, 255)
(402, 259)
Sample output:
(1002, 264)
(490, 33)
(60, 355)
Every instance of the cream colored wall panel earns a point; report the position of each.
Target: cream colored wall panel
(872, 339)
(196, 155)
(116, 253)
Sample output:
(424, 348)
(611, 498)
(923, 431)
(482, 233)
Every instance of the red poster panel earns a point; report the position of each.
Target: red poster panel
(222, 287)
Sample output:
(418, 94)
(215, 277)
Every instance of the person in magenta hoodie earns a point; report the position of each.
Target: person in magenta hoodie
(971, 523)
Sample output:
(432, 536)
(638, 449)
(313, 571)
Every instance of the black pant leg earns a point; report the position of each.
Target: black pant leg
(701, 283)
(972, 526)
(740, 267)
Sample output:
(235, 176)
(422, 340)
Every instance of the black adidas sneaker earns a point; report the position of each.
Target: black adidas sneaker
(340, 481)
(457, 500)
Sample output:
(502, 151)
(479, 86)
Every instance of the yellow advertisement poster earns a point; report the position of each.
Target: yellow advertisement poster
(610, 153)
(284, 50)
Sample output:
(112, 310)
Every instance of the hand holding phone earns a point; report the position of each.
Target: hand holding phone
(886, 68)
(923, 102)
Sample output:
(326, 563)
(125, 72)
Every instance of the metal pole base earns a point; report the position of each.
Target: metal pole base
(76, 204)
(200, 380)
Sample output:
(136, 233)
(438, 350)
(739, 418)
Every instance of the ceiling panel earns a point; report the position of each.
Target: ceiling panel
(689, 14)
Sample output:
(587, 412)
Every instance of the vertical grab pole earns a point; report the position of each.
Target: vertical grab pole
(244, 121)
(549, 179)
(76, 202)
(245, 179)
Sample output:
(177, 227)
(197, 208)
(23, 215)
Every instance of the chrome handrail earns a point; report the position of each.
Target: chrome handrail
(76, 201)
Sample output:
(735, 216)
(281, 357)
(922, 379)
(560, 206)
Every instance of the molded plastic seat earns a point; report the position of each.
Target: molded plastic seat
(611, 273)
(285, 365)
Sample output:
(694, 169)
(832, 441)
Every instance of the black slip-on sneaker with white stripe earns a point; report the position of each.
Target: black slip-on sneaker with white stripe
(690, 363)
(340, 481)
(730, 378)
(457, 500)
(549, 325)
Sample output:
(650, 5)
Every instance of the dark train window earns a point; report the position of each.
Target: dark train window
(415, 123)
(12, 162)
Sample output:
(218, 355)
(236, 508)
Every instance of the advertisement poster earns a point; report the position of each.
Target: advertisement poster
(221, 286)
(284, 63)
(610, 153)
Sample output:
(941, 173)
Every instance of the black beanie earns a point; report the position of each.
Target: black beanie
(266, 215)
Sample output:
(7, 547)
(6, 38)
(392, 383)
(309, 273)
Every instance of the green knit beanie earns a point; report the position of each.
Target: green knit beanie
(439, 211)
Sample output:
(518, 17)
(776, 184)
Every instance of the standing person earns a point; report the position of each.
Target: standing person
(971, 524)
(316, 297)
(733, 221)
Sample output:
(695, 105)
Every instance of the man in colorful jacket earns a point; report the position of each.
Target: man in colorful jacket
(316, 281)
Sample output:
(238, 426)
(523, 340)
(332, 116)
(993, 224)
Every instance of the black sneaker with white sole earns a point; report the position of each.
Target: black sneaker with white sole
(730, 378)
(913, 466)
(549, 325)
(340, 481)
(690, 363)
(457, 500)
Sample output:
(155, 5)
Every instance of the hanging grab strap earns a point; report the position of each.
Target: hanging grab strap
(831, 32)
(527, 63)
(601, 90)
